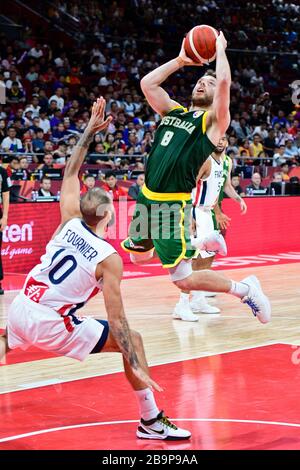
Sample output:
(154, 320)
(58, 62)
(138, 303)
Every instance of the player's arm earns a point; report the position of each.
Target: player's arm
(156, 96)
(231, 192)
(218, 119)
(111, 270)
(70, 190)
(222, 219)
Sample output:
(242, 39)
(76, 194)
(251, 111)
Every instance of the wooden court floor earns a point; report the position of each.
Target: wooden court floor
(148, 304)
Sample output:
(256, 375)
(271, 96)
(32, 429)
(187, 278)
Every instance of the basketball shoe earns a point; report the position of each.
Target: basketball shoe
(257, 300)
(199, 304)
(161, 428)
(182, 311)
(214, 243)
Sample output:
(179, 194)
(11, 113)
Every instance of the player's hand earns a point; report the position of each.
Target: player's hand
(141, 375)
(243, 207)
(97, 122)
(221, 41)
(185, 60)
(223, 220)
(3, 223)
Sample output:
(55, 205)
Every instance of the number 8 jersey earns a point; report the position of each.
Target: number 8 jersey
(65, 278)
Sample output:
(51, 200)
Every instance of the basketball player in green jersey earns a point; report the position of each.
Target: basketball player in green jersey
(183, 141)
(212, 181)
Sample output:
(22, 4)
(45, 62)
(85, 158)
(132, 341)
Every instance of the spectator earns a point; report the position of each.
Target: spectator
(57, 97)
(36, 52)
(112, 188)
(38, 142)
(280, 119)
(35, 107)
(11, 143)
(45, 187)
(47, 163)
(135, 189)
(13, 166)
(285, 171)
(255, 185)
(291, 150)
(44, 122)
(89, 183)
(277, 177)
(256, 146)
(269, 143)
(15, 95)
(235, 181)
(24, 165)
(32, 75)
(279, 156)
(60, 153)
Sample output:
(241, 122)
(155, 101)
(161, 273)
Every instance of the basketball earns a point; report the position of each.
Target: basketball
(200, 43)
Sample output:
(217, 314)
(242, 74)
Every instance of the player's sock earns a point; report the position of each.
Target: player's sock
(184, 298)
(148, 407)
(239, 289)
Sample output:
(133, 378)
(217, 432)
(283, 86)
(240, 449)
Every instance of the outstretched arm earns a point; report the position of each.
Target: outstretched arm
(156, 96)
(70, 190)
(218, 118)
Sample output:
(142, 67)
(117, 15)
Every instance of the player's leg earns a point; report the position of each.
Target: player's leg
(154, 424)
(3, 346)
(204, 228)
(188, 304)
(139, 243)
(248, 290)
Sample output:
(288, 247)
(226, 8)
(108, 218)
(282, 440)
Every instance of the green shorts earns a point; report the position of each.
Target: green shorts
(161, 221)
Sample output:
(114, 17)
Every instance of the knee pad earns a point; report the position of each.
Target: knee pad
(181, 271)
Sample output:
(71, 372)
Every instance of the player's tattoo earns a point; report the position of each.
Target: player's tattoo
(85, 139)
(123, 339)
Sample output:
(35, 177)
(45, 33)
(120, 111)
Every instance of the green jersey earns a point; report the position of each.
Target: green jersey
(179, 149)
(226, 170)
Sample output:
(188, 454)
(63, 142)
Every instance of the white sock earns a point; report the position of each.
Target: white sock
(184, 298)
(239, 289)
(148, 407)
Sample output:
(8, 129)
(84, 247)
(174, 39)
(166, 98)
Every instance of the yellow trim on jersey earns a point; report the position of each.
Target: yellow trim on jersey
(183, 251)
(178, 107)
(204, 122)
(165, 196)
(133, 250)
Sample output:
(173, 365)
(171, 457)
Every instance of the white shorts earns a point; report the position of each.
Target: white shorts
(204, 222)
(32, 324)
(204, 227)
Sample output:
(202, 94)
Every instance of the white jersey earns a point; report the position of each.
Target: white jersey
(207, 191)
(65, 278)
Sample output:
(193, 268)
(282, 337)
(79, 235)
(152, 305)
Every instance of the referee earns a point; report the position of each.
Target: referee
(5, 184)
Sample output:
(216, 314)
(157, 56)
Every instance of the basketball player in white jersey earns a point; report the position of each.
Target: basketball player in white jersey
(77, 264)
(213, 178)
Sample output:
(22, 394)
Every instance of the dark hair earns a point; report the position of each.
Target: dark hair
(89, 175)
(109, 174)
(294, 179)
(45, 178)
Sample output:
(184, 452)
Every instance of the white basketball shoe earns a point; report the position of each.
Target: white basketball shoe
(199, 304)
(182, 311)
(214, 243)
(161, 428)
(257, 300)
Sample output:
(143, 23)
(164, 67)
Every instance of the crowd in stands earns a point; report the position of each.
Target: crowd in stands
(50, 87)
